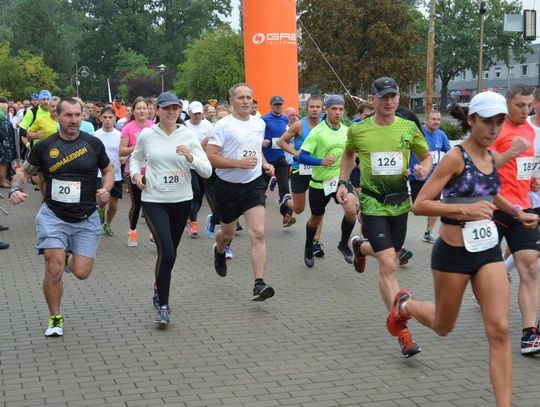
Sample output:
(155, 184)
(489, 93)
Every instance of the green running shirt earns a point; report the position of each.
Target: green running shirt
(384, 153)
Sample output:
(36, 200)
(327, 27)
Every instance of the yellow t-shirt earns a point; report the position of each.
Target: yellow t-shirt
(46, 124)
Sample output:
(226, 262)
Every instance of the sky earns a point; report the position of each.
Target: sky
(234, 19)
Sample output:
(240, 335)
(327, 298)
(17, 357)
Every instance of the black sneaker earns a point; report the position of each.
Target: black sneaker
(346, 252)
(317, 249)
(262, 292)
(220, 262)
(308, 257)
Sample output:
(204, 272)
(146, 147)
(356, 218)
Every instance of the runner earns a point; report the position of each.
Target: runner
(301, 173)
(110, 137)
(234, 149)
(468, 248)
(322, 149)
(168, 151)
(130, 133)
(67, 221)
(384, 143)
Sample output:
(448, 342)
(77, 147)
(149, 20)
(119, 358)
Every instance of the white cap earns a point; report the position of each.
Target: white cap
(196, 107)
(488, 104)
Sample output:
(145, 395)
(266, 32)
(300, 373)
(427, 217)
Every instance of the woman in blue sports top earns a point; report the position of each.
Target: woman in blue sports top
(468, 247)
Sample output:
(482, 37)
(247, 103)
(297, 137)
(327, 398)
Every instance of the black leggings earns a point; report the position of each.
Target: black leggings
(135, 210)
(197, 185)
(281, 170)
(166, 221)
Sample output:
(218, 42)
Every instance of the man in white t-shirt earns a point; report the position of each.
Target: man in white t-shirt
(235, 150)
(202, 128)
(110, 137)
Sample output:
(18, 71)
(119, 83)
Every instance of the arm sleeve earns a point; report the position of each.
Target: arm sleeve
(306, 158)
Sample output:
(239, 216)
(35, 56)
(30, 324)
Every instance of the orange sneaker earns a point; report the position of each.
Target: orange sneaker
(408, 346)
(359, 260)
(194, 229)
(397, 319)
(132, 238)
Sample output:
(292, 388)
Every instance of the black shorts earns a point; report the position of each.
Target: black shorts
(517, 236)
(318, 200)
(452, 259)
(385, 232)
(416, 186)
(116, 190)
(299, 183)
(355, 177)
(233, 199)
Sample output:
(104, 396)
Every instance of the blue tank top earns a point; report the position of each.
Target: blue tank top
(298, 141)
(472, 183)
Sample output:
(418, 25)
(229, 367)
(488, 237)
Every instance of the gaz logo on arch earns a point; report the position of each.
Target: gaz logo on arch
(274, 38)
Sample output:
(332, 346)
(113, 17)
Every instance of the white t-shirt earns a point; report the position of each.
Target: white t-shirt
(239, 139)
(111, 140)
(202, 130)
(535, 196)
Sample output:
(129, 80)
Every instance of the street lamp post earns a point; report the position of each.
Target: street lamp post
(162, 71)
(430, 59)
(82, 71)
(482, 8)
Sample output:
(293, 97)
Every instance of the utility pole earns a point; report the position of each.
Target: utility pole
(482, 8)
(430, 59)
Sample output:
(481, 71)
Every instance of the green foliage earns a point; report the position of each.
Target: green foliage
(24, 73)
(362, 39)
(452, 131)
(213, 64)
(457, 48)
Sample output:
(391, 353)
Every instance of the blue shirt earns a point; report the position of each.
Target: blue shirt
(437, 142)
(275, 127)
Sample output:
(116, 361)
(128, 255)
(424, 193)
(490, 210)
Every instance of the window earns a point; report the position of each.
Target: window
(474, 76)
(463, 75)
(486, 74)
(524, 70)
(498, 72)
(417, 88)
(511, 73)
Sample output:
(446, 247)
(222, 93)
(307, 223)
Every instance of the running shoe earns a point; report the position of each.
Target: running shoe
(346, 252)
(404, 256)
(210, 227)
(397, 319)
(308, 257)
(272, 183)
(359, 260)
(429, 238)
(108, 229)
(162, 317)
(101, 213)
(220, 262)
(262, 291)
(317, 249)
(239, 227)
(55, 326)
(228, 252)
(193, 229)
(132, 238)
(288, 220)
(531, 344)
(408, 346)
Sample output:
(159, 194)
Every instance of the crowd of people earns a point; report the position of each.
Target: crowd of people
(170, 154)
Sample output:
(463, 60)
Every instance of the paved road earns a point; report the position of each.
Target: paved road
(321, 341)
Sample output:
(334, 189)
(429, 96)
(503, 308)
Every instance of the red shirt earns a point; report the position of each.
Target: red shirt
(514, 190)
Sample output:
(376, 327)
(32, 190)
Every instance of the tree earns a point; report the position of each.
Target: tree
(457, 49)
(362, 39)
(213, 64)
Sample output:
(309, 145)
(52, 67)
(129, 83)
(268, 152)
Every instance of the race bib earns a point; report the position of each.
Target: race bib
(387, 163)
(170, 180)
(246, 152)
(66, 191)
(527, 167)
(480, 235)
(275, 145)
(330, 186)
(305, 169)
(436, 156)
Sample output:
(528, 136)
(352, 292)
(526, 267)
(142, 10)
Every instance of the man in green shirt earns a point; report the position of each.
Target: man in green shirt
(322, 149)
(384, 143)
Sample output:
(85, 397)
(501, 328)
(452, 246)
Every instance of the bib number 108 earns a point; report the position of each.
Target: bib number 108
(482, 233)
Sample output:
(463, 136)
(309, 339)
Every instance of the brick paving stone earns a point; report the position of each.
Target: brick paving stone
(321, 341)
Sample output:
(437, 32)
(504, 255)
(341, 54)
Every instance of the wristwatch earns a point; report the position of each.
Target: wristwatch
(12, 191)
(341, 182)
(516, 209)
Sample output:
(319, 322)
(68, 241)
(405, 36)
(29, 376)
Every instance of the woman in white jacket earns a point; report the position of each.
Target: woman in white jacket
(168, 150)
